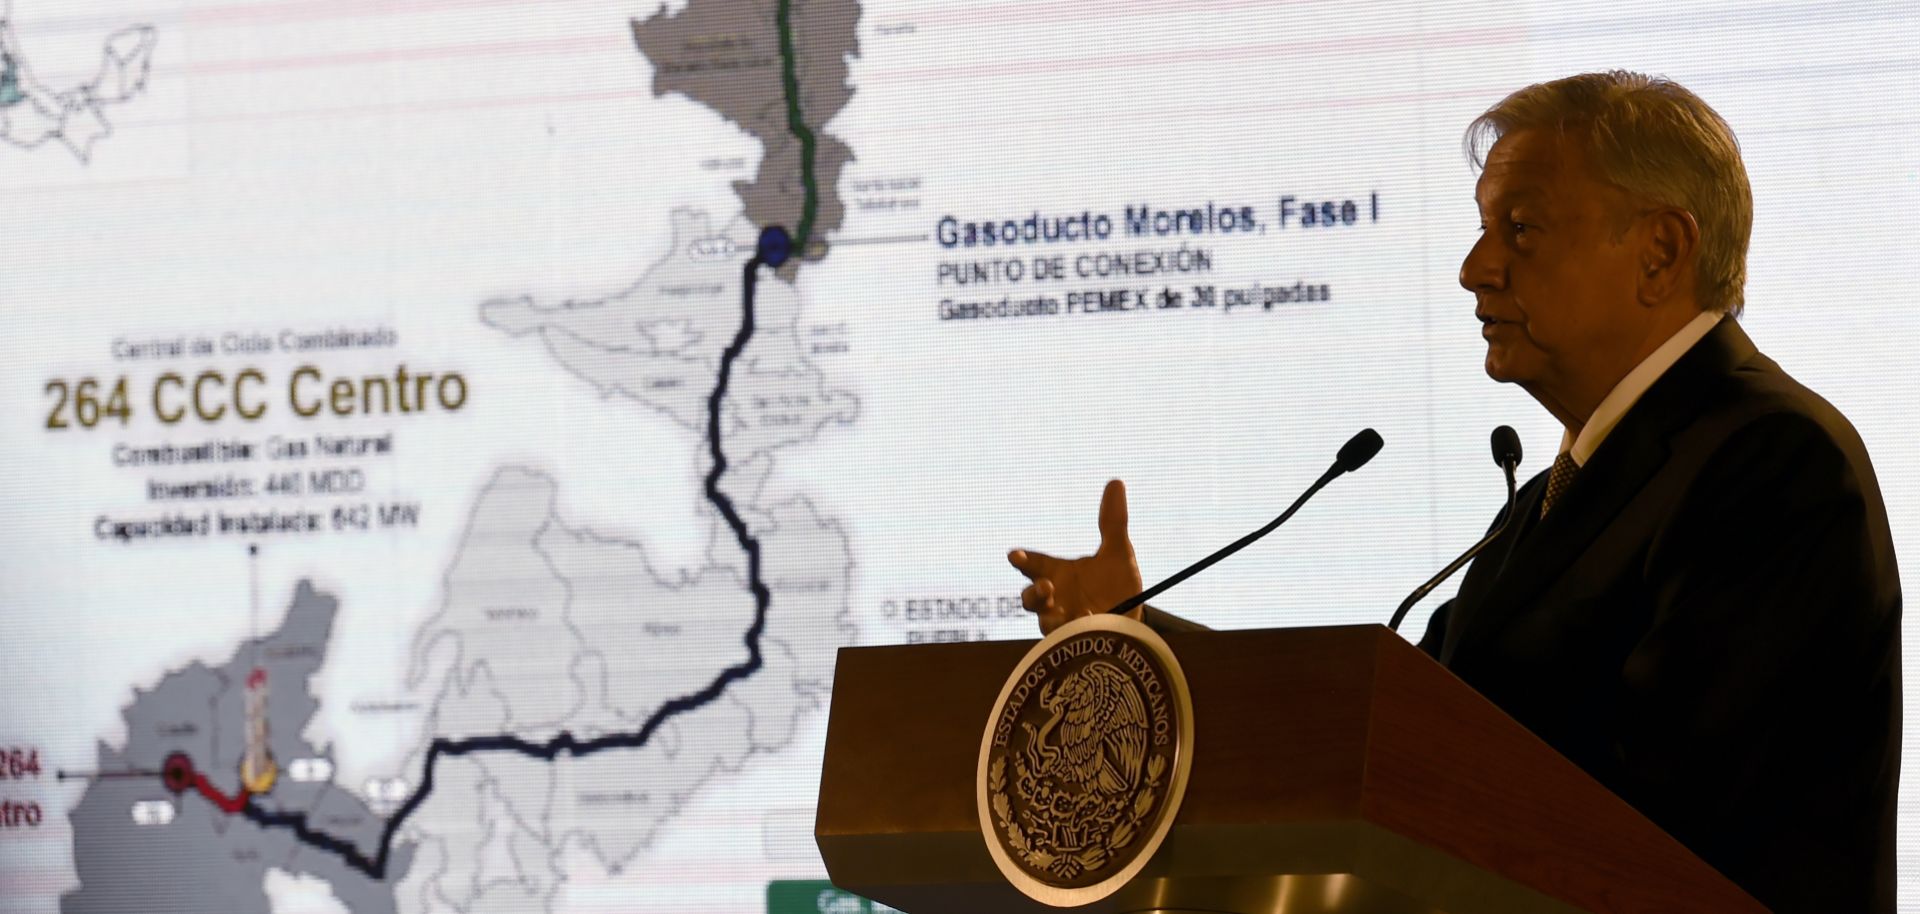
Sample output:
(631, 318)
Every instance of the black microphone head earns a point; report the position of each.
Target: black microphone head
(1506, 447)
(1358, 450)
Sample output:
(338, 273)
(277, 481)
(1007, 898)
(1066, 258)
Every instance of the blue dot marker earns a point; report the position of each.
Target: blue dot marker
(775, 246)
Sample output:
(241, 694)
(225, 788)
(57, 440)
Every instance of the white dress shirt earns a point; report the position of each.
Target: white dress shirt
(1629, 390)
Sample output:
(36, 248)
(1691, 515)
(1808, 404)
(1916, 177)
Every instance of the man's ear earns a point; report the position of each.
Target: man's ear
(1667, 256)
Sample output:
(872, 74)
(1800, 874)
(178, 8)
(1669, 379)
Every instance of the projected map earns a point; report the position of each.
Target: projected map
(448, 440)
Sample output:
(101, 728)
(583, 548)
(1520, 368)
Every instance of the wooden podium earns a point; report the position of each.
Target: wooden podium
(1334, 769)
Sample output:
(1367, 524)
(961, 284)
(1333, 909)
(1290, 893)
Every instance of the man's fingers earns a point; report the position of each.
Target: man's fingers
(1113, 516)
(1035, 565)
(1038, 596)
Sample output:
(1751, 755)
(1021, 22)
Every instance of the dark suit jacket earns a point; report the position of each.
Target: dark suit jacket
(1708, 622)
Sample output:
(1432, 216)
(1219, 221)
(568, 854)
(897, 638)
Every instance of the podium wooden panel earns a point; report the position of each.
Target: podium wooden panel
(1335, 769)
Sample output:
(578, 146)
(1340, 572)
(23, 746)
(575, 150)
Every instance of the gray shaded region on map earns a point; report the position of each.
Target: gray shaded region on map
(206, 860)
(660, 341)
(727, 56)
(638, 633)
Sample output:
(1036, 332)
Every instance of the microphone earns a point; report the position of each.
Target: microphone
(1353, 455)
(1506, 453)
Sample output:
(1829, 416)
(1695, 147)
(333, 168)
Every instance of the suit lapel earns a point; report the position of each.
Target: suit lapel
(1543, 548)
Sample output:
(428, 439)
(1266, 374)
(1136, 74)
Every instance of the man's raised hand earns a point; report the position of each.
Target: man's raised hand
(1066, 589)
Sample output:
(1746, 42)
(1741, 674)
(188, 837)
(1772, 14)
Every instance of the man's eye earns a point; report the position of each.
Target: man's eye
(1520, 228)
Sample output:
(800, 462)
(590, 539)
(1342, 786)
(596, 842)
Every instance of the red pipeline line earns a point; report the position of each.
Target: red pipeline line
(227, 804)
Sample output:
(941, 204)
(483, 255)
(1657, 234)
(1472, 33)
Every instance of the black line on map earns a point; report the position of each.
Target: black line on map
(773, 251)
(65, 775)
(376, 865)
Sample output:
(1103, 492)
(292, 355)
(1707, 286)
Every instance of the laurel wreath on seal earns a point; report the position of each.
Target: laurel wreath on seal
(1089, 857)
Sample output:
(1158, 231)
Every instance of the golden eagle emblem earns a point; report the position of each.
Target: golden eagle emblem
(1078, 781)
(1098, 725)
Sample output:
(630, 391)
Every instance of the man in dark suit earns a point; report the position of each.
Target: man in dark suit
(1699, 603)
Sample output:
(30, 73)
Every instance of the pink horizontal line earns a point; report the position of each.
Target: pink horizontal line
(40, 880)
(1183, 113)
(1369, 44)
(250, 14)
(1189, 112)
(1083, 11)
(309, 10)
(469, 104)
(555, 46)
(617, 43)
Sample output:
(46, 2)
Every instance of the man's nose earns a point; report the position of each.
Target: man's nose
(1483, 270)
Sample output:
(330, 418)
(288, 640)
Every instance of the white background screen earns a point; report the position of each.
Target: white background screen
(228, 226)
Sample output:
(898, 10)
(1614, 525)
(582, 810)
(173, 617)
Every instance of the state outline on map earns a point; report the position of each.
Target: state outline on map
(607, 342)
(595, 708)
(789, 678)
(33, 114)
(757, 733)
(214, 852)
(734, 61)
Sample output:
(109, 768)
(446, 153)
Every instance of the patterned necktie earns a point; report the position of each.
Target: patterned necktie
(1558, 480)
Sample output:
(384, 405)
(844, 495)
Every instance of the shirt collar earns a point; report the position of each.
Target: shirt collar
(1629, 390)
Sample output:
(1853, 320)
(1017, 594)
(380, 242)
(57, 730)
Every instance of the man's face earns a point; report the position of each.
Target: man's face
(1553, 277)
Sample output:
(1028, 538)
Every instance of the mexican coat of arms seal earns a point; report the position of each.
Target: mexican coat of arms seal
(1084, 760)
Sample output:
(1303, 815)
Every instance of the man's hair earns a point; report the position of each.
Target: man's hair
(1657, 141)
